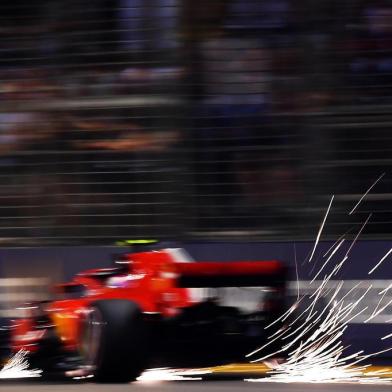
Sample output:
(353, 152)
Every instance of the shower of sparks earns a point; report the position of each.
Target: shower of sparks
(167, 374)
(386, 336)
(379, 263)
(311, 339)
(320, 230)
(18, 367)
(296, 270)
(377, 310)
(329, 258)
(354, 241)
(336, 242)
(364, 195)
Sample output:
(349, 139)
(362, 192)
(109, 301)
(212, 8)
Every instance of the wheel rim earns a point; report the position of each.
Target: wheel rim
(91, 340)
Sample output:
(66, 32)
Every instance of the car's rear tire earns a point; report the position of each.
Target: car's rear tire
(113, 342)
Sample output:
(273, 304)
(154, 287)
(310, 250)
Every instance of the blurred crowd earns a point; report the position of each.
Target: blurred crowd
(97, 97)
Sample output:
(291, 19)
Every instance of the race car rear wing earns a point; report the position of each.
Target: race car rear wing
(269, 273)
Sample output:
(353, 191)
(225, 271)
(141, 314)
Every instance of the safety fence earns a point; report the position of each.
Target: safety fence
(181, 119)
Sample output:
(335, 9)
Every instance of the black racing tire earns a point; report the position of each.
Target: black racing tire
(113, 342)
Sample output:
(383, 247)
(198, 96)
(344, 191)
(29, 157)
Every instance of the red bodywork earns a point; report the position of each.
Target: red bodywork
(150, 279)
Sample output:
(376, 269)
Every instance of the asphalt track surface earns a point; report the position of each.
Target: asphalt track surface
(228, 378)
(188, 386)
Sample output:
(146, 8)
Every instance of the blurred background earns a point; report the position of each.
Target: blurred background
(184, 119)
(191, 121)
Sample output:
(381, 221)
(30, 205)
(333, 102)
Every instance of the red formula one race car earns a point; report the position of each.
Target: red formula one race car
(154, 308)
